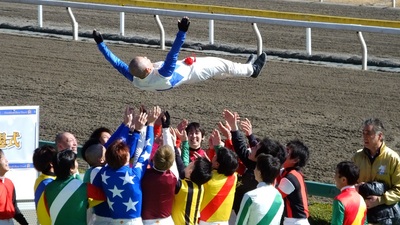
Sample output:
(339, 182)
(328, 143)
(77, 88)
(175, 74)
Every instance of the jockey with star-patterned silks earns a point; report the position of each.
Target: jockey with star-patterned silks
(119, 181)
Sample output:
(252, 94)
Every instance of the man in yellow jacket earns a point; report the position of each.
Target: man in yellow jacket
(377, 162)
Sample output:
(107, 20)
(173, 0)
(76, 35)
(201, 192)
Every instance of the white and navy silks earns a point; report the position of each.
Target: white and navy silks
(172, 73)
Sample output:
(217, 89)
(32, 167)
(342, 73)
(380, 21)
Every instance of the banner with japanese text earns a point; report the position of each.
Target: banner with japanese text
(19, 137)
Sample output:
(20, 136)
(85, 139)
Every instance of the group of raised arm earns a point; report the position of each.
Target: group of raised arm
(151, 172)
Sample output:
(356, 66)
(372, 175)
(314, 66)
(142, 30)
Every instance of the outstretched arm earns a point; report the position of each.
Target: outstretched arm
(170, 61)
(118, 64)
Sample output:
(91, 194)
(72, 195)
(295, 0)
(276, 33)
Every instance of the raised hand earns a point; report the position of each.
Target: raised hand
(216, 138)
(225, 130)
(182, 125)
(182, 135)
(246, 126)
(231, 119)
(143, 108)
(153, 115)
(97, 37)
(197, 155)
(128, 116)
(166, 120)
(139, 121)
(173, 135)
(183, 24)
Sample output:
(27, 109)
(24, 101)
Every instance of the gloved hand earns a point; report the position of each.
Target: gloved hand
(183, 24)
(166, 120)
(97, 37)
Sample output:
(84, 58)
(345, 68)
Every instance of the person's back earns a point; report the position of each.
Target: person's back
(263, 205)
(122, 183)
(42, 161)
(219, 192)
(158, 186)
(292, 186)
(189, 192)
(349, 206)
(93, 152)
(65, 201)
(186, 206)
(67, 198)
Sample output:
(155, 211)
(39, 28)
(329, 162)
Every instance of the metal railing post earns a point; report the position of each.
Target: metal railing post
(74, 24)
(211, 31)
(122, 23)
(364, 51)
(162, 33)
(40, 15)
(308, 41)
(259, 39)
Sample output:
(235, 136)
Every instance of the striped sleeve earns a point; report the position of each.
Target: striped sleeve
(337, 213)
(244, 211)
(95, 195)
(42, 213)
(285, 187)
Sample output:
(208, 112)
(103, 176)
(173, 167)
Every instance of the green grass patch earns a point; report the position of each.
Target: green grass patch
(320, 213)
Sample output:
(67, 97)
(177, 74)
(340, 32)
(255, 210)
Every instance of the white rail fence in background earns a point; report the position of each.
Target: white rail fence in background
(253, 20)
(393, 3)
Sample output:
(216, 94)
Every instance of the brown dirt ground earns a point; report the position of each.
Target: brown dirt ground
(78, 91)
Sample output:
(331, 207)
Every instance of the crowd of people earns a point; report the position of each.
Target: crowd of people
(150, 171)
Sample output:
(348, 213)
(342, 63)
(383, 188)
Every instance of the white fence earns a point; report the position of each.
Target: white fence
(353, 24)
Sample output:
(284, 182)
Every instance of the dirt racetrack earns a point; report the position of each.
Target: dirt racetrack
(78, 91)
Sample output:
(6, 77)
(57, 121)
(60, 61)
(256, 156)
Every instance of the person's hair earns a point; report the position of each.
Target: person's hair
(63, 162)
(96, 134)
(116, 154)
(228, 162)
(88, 143)
(93, 153)
(299, 151)
(272, 147)
(349, 170)
(137, 68)
(194, 126)
(164, 157)
(1, 153)
(59, 138)
(377, 125)
(42, 158)
(202, 171)
(269, 166)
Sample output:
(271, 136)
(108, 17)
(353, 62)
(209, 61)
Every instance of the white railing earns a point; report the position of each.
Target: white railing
(391, 27)
(393, 3)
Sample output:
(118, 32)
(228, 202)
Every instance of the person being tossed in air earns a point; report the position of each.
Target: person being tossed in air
(165, 75)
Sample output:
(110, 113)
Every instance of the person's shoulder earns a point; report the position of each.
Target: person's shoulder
(8, 181)
(390, 151)
(189, 183)
(359, 153)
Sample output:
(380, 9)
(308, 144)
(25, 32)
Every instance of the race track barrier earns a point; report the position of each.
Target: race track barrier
(212, 13)
(313, 188)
